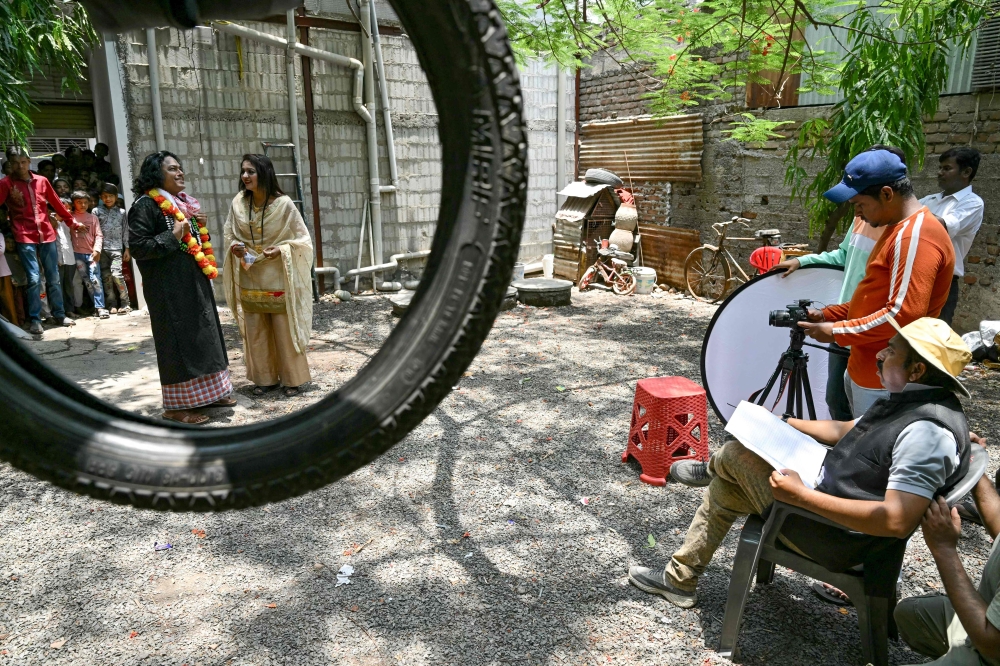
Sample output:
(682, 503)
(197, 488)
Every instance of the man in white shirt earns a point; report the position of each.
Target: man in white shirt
(959, 209)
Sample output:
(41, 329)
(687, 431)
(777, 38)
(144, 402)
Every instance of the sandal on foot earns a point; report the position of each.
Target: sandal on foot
(262, 390)
(830, 594)
(190, 418)
(228, 401)
(291, 391)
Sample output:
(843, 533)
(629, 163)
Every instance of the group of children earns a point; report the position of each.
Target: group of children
(95, 249)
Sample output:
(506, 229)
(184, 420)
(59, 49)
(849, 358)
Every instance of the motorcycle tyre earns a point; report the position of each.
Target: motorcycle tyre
(58, 432)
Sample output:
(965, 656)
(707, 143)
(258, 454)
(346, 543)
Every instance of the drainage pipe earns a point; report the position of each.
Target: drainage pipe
(154, 87)
(390, 143)
(364, 98)
(391, 266)
(373, 179)
(338, 290)
(293, 101)
(308, 51)
(560, 131)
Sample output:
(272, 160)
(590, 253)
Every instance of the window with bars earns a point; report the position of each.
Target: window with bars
(41, 147)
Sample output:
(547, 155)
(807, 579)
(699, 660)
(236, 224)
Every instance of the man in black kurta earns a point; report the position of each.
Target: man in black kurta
(190, 348)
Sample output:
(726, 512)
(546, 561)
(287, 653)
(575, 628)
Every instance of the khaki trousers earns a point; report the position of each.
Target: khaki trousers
(269, 352)
(929, 626)
(739, 487)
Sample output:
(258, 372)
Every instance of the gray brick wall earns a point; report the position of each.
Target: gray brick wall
(212, 117)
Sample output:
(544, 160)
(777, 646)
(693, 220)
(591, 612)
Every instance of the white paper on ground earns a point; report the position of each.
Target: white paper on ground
(778, 443)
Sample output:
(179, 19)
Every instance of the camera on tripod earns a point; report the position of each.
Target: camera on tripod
(790, 317)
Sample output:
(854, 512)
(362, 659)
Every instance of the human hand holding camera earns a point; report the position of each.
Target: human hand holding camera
(821, 331)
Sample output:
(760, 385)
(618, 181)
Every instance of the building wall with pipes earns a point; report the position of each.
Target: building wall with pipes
(221, 98)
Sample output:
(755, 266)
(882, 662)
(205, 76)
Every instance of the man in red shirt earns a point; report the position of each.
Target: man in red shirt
(908, 275)
(28, 196)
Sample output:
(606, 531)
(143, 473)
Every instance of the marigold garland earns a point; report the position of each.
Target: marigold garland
(202, 252)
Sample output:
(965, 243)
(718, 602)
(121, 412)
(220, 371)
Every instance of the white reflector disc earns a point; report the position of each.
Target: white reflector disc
(741, 350)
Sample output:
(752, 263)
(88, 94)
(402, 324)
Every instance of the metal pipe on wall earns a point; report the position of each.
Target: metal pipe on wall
(383, 85)
(293, 104)
(154, 88)
(364, 99)
(560, 130)
(307, 94)
(373, 179)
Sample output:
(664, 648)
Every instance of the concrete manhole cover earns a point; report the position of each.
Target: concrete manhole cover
(542, 292)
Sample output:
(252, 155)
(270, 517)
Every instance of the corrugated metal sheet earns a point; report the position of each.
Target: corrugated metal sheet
(575, 209)
(581, 190)
(664, 249)
(657, 148)
(832, 40)
(566, 248)
(340, 9)
(986, 73)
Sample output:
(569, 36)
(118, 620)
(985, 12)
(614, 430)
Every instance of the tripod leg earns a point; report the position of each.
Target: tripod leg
(761, 396)
(798, 391)
(791, 386)
(809, 394)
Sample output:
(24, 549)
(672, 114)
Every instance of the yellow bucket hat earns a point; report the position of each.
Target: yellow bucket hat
(938, 345)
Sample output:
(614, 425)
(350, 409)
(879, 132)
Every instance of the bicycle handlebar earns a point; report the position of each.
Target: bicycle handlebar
(720, 226)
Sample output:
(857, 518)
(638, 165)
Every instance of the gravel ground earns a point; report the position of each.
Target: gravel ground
(499, 531)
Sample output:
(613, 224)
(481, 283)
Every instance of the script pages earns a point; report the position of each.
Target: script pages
(778, 443)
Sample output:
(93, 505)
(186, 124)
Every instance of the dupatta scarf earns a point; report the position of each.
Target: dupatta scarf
(291, 271)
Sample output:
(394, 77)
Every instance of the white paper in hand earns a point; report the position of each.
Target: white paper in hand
(778, 443)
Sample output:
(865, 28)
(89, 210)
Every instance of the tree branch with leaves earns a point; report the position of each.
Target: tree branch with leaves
(690, 53)
(38, 36)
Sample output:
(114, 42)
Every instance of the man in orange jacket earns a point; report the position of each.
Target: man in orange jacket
(908, 274)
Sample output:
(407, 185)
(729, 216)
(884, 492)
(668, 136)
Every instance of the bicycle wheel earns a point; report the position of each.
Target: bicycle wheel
(707, 274)
(588, 277)
(624, 285)
(56, 431)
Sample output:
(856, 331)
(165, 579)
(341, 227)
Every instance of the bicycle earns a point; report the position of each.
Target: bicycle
(612, 267)
(708, 270)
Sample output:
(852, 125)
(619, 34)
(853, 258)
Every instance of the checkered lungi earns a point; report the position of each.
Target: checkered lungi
(197, 392)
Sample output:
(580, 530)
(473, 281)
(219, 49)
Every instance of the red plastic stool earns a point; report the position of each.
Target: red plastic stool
(669, 423)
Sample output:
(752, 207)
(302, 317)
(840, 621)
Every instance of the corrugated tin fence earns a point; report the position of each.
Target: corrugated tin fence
(645, 148)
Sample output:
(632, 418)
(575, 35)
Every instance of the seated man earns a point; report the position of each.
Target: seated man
(878, 479)
(961, 628)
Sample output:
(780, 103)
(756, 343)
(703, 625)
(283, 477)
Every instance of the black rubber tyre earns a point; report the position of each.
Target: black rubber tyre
(56, 431)
(602, 177)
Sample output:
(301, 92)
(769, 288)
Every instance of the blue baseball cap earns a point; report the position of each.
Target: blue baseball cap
(872, 167)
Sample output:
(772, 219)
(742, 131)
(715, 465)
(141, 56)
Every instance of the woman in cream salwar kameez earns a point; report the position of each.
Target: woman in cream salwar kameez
(268, 280)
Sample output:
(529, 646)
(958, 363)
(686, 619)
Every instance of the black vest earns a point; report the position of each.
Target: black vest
(858, 466)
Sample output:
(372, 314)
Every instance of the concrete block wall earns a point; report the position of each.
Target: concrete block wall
(740, 179)
(212, 117)
(539, 83)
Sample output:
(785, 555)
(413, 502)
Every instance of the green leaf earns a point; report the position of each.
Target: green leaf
(560, 388)
(650, 541)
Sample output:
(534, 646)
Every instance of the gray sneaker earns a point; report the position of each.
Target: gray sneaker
(656, 583)
(692, 473)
